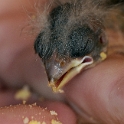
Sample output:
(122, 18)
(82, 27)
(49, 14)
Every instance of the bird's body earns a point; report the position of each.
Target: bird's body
(73, 39)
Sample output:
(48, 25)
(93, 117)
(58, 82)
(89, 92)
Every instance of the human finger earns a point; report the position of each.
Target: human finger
(97, 93)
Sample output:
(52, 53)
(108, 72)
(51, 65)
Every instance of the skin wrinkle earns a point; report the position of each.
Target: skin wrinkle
(116, 97)
(101, 103)
(116, 44)
(86, 113)
(108, 106)
(83, 114)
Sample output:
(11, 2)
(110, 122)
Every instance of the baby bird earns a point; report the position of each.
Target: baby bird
(74, 40)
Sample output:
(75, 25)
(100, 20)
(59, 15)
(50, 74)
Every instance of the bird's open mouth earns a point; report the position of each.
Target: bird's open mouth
(77, 67)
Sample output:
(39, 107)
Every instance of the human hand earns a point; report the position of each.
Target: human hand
(98, 98)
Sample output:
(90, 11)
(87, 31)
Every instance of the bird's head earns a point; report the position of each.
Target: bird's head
(70, 44)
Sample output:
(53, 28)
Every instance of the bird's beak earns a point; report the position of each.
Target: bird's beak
(60, 74)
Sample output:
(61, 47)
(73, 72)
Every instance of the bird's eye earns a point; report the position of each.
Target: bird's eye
(81, 41)
(102, 39)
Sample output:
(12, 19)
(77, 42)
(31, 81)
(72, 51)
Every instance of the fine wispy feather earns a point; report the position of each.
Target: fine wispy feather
(99, 8)
(73, 13)
(81, 10)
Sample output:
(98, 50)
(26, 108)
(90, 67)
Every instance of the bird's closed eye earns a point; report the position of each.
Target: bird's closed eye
(103, 40)
(81, 41)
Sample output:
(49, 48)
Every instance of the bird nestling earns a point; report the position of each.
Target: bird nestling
(73, 40)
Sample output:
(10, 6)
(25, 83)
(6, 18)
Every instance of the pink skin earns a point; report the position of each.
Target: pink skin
(98, 92)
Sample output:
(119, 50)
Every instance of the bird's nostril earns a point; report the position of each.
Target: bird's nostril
(62, 63)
